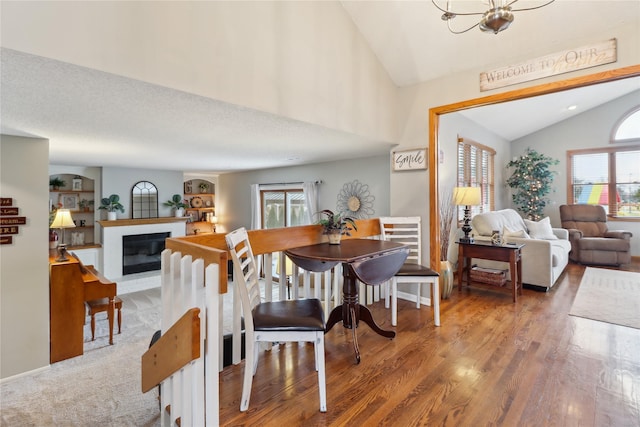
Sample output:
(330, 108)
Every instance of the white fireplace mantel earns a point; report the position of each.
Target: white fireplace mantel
(113, 231)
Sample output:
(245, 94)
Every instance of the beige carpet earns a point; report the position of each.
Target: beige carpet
(609, 296)
(100, 388)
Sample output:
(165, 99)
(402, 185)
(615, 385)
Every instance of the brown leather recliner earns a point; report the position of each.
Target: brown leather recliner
(591, 241)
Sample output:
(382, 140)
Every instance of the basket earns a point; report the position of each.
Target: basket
(491, 276)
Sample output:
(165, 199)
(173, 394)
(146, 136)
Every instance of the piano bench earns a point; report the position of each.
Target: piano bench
(100, 305)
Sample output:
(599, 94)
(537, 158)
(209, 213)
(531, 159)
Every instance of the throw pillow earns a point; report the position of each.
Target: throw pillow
(541, 229)
(506, 233)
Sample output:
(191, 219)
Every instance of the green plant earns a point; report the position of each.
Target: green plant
(111, 204)
(84, 203)
(203, 186)
(56, 182)
(532, 181)
(336, 222)
(175, 202)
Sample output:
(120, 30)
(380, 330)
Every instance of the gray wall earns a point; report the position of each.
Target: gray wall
(24, 272)
(120, 181)
(591, 129)
(233, 200)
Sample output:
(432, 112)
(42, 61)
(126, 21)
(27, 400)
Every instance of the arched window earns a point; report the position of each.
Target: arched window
(144, 200)
(628, 128)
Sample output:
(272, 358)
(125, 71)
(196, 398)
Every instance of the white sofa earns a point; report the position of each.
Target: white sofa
(546, 251)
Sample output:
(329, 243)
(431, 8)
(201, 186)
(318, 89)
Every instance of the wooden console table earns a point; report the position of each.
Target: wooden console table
(511, 253)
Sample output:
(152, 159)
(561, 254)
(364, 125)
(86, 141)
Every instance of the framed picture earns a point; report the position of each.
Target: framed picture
(70, 201)
(409, 159)
(76, 184)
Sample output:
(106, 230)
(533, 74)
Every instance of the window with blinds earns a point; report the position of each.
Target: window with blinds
(609, 177)
(475, 169)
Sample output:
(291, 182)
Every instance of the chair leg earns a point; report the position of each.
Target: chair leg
(394, 302)
(322, 386)
(93, 326)
(119, 320)
(387, 287)
(249, 367)
(435, 301)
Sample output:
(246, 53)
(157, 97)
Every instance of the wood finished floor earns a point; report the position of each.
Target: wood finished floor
(491, 362)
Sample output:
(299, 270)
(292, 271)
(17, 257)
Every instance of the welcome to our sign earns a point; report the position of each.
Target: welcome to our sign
(550, 65)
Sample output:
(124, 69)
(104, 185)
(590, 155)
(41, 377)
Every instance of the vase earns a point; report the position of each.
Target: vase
(112, 216)
(335, 237)
(53, 239)
(179, 212)
(446, 279)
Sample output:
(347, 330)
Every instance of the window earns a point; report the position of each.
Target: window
(595, 175)
(628, 129)
(475, 169)
(282, 208)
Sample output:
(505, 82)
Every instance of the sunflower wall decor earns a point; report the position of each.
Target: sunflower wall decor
(355, 200)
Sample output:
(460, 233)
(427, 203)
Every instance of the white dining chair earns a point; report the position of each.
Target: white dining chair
(297, 320)
(408, 231)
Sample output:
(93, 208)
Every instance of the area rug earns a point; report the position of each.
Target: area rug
(610, 296)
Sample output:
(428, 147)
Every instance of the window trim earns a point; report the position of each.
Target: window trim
(611, 151)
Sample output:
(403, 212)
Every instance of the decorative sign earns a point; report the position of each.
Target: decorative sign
(409, 159)
(550, 65)
(9, 230)
(8, 211)
(16, 220)
(9, 221)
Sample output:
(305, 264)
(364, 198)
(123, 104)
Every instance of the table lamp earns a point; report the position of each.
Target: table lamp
(213, 220)
(61, 221)
(467, 197)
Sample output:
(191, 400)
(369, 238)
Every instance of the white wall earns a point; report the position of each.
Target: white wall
(233, 202)
(24, 272)
(591, 129)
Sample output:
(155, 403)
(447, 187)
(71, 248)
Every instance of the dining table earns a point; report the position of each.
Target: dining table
(372, 262)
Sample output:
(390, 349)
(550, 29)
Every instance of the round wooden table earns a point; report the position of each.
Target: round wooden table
(371, 261)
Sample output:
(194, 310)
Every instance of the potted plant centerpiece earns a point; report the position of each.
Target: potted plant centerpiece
(111, 204)
(336, 225)
(176, 203)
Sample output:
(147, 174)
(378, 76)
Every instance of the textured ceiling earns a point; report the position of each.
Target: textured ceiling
(100, 119)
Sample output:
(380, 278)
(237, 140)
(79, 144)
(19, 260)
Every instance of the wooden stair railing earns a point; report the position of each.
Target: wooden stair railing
(175, 348)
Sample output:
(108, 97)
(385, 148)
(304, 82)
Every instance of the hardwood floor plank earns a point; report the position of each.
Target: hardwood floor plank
(492, 362)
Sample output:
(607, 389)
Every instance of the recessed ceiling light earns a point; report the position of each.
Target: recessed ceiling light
(572, 107)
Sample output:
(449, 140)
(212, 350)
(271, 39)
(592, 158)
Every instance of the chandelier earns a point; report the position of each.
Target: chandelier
(496, 19)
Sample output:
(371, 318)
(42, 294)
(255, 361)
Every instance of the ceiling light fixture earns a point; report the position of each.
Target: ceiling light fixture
(496, 19)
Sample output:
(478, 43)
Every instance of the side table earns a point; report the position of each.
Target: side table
(511, 253)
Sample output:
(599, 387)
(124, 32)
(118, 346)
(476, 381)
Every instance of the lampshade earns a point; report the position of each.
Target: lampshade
(467, 196)
(63, 219)
(213, 219)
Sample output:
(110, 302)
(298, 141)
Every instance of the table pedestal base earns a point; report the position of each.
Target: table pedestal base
(351, 312)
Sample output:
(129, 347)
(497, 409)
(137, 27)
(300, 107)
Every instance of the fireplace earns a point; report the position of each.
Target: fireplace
(141, 252)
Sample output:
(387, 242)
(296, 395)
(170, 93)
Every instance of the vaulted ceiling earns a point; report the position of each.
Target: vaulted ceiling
(40, 96)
